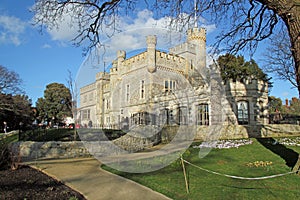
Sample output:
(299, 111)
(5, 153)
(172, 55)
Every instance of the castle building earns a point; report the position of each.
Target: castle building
(171, 88)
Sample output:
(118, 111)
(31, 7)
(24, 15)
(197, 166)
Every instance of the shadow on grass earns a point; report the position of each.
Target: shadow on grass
(289, 155)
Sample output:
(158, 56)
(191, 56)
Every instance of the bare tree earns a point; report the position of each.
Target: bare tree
(74, 93)
(248, 21)
(92, 17)
(10, 82)
(279, 60)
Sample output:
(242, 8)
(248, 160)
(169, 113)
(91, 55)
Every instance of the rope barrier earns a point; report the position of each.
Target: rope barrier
(239, 177)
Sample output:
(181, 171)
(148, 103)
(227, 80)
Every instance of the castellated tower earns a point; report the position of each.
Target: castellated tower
(197, 37)
(151, 57)
(194, 51)
(121, 57)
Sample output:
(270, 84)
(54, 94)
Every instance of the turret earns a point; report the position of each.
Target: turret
(121, 57)
(197, 37)
(151, 57)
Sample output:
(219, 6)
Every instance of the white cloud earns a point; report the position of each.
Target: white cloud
(11, 29)
(65, 31)
(65, 26)
(285, 94)
(133, 30)
(46, 46)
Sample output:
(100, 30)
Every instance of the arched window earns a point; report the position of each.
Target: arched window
(243, 112)
(203, 114)
(182, 113)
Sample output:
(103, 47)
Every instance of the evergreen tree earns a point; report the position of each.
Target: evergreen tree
(236, 68)
(56, 104)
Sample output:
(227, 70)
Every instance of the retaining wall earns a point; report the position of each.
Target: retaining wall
(134, 142)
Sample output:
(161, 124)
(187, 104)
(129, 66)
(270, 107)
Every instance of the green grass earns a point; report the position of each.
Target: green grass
(204, 185)
(6, 139)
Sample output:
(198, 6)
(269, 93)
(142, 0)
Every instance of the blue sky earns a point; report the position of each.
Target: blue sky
(45, 58)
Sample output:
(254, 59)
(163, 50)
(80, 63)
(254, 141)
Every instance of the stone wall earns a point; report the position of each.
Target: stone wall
(131, 142)
(280, 130)
(137, 140)
(134, 141)
(235, 132)
(239, 131)
(29, 150)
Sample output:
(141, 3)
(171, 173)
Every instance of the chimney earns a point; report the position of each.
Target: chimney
(286, 103)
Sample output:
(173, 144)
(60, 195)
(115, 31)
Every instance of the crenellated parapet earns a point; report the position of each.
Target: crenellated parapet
(102, 76)
(87, 88)
(135, 60)
(196, 34)
(246, 84)
(173, 58)
(182, 48)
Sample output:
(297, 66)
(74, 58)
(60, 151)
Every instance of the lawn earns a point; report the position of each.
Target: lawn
(241, 162)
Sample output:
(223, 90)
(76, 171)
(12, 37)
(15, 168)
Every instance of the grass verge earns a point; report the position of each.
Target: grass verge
(234, 161)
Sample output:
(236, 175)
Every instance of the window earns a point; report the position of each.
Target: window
(142, 89)
(166, 86)
(203, 114)
(164, 117)
(171, 119)
(107, 104)
(190, 116)
(169, 86)
(127, 93)
(85, 114)
(182, 111)
(108, 122)
(141, 118)
(243, 112)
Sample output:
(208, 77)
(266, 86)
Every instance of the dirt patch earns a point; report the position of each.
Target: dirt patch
(29, 183)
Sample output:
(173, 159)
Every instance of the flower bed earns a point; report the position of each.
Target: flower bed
(224, 144)
(289, 141)
(259, 164)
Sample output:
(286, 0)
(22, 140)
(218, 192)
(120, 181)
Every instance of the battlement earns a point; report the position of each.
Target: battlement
(245, 81)
(196, 34)
(102, 75)
(246, 85)
(135, 59)
(87, 88)
(184, 47)
(121, 54)
(170, 57)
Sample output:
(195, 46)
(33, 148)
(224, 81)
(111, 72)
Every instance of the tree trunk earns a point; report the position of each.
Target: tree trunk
(289, 11)
(292, 22)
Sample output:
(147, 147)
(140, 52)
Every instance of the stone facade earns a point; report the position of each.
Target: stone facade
(171, 88)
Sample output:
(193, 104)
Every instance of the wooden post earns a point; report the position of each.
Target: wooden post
(184, 173)
(296, 168)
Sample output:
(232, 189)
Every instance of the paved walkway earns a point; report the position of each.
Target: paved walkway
(86, 176)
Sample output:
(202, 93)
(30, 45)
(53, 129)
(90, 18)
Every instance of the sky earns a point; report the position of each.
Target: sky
(41, 58)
